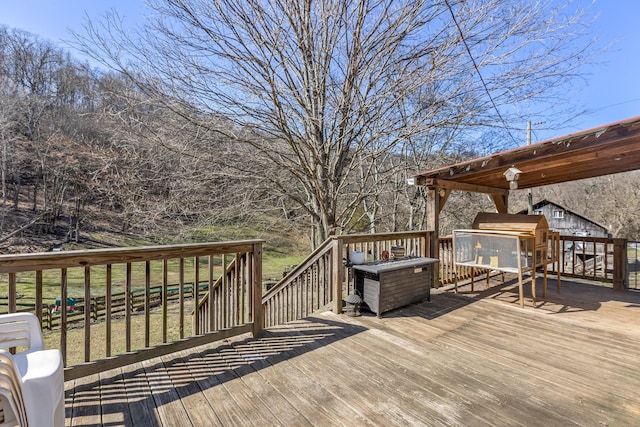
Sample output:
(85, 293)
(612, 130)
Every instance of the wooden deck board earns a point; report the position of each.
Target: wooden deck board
(84, 413)
(314, 403)
(396, 406)
(475, 358)
(274, 383)
(113, 397)
(217, 396)
(168, 404)
(456, 388)
(316, 361)
(198, 409)
(523, 376)
(249, 405)
(140, 401)
(411, 380)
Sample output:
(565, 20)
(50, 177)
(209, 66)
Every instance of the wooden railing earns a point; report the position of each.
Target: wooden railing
(133, 304)
(323, 279)
(225, 304)
(97, 306)
(306, 289)
(633, 265)
(448, 269)
(144, 330)
(593, 258)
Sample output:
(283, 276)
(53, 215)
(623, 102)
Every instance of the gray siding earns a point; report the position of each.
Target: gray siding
(569, 224)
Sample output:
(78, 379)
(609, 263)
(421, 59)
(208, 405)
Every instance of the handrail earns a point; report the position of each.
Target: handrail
(132, 272)
(295, 272)
(449, 270)
(390, 236)
(323, 279)
(15, 263)
(578, 255)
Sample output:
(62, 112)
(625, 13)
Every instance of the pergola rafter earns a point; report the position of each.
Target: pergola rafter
(605, 150)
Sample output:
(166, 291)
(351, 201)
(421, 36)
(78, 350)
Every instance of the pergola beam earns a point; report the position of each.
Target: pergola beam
(462, 186)
(501, 202)
(605, 150)
(438, 191)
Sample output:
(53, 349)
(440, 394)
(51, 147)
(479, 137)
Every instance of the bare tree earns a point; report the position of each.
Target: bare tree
(320, 91)
(8, 120)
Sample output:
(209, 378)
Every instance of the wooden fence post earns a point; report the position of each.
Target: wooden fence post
(258, 314)
(337, 275)
(620, 264)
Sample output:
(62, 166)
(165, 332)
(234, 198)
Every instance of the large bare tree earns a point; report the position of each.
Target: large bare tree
(315, 93)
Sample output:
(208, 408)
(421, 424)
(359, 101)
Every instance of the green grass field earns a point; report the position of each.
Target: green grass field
(280, 252)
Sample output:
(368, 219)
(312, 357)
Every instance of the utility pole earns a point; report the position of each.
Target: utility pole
(530, 195)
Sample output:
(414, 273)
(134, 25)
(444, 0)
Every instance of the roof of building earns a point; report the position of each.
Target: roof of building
(545, 202)
(604, 150)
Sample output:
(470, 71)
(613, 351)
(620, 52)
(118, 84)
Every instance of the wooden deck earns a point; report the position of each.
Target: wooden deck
(460, 360)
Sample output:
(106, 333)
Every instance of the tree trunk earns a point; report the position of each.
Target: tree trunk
(16, 192)
(4, 171)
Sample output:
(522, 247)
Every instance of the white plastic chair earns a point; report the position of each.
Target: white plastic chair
(11, 401)
(32, 380)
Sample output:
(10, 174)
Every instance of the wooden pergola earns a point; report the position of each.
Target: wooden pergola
(604, 150)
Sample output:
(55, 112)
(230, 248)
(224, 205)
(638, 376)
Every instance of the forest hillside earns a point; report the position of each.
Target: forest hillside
(90, 158)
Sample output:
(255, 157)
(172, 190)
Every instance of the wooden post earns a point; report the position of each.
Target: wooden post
(620, 264)
(433, 225)
(502, 202)
(433, 219)
(533, 271)
(87, 313)
(128, 307)
(425, 241)
(13, 293)
(63, 314)
(39, 295)
(211, 324)
(196, 296)
(147, 303)
(165, 296)
(107, 310)
(337, 275)
(520, 290)
(180, 297)
(257, 312)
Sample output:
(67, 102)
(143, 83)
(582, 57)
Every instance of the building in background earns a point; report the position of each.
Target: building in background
(566, 222)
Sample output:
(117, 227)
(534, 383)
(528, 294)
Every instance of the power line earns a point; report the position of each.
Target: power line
(597, 110)
(475, 65)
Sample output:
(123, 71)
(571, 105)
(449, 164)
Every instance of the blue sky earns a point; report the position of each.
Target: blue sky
(612, 92)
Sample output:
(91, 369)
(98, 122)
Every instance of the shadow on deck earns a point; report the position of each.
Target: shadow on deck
(475, 358)
(130, 396)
